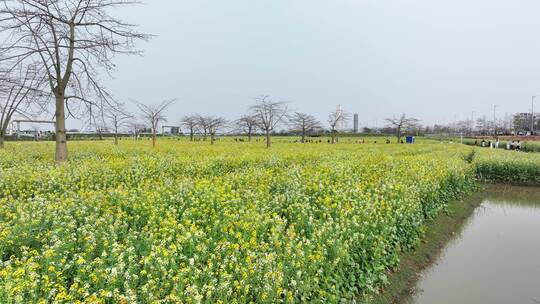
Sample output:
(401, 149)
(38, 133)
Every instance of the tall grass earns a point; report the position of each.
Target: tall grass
(508, 167)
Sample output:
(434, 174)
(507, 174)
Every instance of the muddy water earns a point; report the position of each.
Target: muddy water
(494, 259)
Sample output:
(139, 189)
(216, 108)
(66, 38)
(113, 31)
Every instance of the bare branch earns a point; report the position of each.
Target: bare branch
(303, 123)
(402, 123)
(337, 120)
(191, 122)
(118, 117)
(246, 124)
(74, 41)
(153, 115)
(268, 114)
(20, 94)
(211, 125)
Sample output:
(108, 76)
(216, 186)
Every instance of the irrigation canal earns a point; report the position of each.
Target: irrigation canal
(494, 259)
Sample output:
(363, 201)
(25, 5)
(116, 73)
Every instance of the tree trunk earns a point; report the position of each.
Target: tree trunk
(212, 139)
(3, 129)
(153, 137)
(60, 128)
(268, 143)
(249, 135)
(333, 137)
(191, 134)
(399, 135)
(115, 138)
(303, 137)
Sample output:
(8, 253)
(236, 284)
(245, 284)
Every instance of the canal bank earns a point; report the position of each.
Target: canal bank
(463, 240)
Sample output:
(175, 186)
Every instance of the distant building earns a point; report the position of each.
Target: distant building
(522, 122)
(355, 129)
(170, 130)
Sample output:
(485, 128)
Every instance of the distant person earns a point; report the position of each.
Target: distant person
(518, 146)
(476, 142)
(497, 143)
(483, 143)
(508, 145)
(512, 145)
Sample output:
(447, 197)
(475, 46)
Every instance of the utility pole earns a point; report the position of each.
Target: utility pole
(532, 114)
(455, 125)
(494, 120)
(472, 122)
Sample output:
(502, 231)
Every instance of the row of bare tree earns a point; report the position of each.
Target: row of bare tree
(263, 116)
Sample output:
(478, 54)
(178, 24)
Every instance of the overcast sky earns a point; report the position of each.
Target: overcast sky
(436, 60)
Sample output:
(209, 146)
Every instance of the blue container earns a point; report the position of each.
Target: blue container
(410, 139)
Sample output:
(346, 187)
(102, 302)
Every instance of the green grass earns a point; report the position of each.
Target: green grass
(508, 167)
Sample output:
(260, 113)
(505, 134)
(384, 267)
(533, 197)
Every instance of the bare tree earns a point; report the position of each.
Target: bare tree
(214, 125)
(401, 124)
(336, 121)
(19, 94)
(211, 125)
(268, 115)
(74, 40)
(153, 115)
(118, 118)
(96, 121)
(303, 123)
(136, 127)
(191, 123)
(247, 124)
(203, 124)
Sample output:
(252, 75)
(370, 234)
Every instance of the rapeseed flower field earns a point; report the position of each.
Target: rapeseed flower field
(229, 223)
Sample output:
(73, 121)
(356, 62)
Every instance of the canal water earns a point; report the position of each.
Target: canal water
(494, 259)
